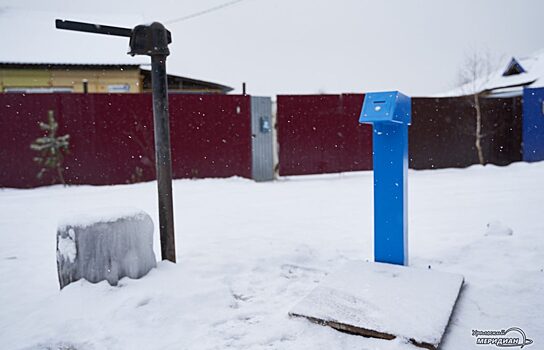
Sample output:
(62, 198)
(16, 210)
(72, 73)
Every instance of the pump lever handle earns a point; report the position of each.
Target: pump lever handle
(92, 28)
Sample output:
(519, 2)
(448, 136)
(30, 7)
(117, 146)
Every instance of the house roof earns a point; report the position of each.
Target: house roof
(173, 80)
(187, 83)
(84, 66)
(509, 80)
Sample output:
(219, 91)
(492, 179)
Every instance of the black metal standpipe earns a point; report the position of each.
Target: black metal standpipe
(163, 156)
(151, 40)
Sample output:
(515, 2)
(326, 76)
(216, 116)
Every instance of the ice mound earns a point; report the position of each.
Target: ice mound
(106, 244)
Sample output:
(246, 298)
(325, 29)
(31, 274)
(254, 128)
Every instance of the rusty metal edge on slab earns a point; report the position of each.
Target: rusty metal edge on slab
(369, 333)
(354, 330)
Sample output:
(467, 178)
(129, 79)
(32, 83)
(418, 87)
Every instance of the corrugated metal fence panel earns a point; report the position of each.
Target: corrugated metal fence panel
(18, 129)
(321, 134)
(111, 137)
(211, 135)
(262, 139)
(443, 132)
(533, 125)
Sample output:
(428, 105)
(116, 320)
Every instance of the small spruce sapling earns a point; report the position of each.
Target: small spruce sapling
(51, 148)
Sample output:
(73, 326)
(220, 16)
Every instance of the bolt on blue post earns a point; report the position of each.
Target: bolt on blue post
(390, 114)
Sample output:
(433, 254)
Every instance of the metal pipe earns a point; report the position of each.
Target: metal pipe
(163, 156)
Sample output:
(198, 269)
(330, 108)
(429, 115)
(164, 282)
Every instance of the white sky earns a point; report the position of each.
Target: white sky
(310, 46)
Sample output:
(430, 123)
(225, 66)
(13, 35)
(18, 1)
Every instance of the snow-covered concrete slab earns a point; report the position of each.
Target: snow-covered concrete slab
(105, 244)
(384, 301)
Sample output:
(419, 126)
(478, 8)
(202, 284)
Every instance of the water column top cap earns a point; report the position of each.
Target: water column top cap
(150, 39)
(386, 107)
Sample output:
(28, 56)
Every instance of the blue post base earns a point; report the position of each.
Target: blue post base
(390, 142)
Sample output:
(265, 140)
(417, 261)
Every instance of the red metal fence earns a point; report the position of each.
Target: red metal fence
(321, 134)
(111, 137)
(443, 132)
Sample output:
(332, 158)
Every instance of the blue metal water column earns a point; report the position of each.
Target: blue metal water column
(390, 115)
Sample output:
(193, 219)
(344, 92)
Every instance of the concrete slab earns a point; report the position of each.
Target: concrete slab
(384, 301)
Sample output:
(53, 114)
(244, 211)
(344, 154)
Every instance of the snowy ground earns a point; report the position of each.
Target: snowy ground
(250, 251)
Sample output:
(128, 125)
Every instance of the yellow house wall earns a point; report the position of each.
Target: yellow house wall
(24, 78)
(98, 80)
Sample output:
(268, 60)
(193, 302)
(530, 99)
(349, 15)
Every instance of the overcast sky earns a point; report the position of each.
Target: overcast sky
(311, 46)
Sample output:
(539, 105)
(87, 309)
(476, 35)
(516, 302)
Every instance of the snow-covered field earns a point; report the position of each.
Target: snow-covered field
(248, 252)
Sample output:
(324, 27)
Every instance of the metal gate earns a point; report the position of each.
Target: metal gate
(533, 125)
(262, 139)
